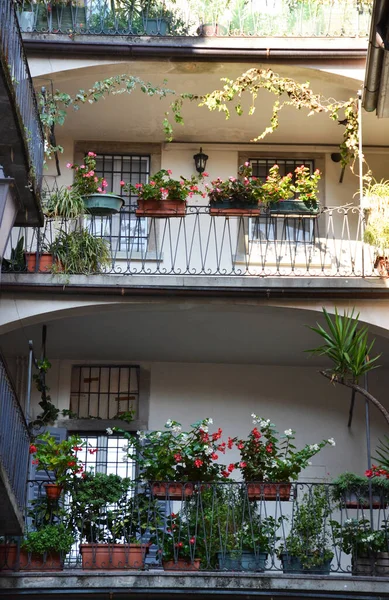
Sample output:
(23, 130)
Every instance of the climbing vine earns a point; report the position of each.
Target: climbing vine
(288, 93)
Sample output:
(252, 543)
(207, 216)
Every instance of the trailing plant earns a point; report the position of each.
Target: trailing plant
(80, 252)
(49, 411)
(163, 187)
(347, 347)
(268, 456)
(349, 483)
(309, 539)
(49, 538)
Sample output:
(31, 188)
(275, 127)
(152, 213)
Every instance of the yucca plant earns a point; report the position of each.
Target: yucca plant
(80, 252)
(64, 202)
(347, 346)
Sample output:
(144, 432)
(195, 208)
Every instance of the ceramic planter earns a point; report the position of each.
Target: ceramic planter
(234, 208)
(53, 491)
(244, 561)
(161, 208)
(294, 207)
(45, 262)
(172, 491)
(292, 564)
(269, 491)
(105, 557)
(103, 205)
(181, 564)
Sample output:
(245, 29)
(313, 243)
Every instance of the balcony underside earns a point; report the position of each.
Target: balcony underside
(119, 584)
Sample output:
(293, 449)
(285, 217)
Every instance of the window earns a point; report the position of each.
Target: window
(261, 166)
(104, 392)
(107, 454)
(126, 232)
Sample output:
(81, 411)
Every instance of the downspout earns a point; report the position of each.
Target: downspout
(375, 56)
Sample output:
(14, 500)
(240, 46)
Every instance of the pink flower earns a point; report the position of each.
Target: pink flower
(95, 179)
(99, 190)
(69, 165)
(152, 182)
(205, 174)
(122, 183)
(83, 167)
(92, 154)
(138, 186)
(169, 172)
(198, 463)
(242, 464)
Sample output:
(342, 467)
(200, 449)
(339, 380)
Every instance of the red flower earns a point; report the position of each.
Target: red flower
(33, 449)
(257, 434)
(242, 464)
(179, 545)
(240, 445)
(173, 515)
(216, 436)
(222, 447)
(230, 442)
(214, 456)
(269, 447)
(84, 475)
(225, 474)
(178, 457)
(230, 467)
(369, 473)
(35, 462)
(192, 540)
(93, 450)
(198, 463)
(77, 448)
(71, 463)
(204, 436)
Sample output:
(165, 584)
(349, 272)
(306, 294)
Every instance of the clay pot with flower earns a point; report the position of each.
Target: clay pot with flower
(60, 461)
(93, 189)
(269, 461)
(164, 196)
(236, 196)
(294, 193)
(173, 461)
(181, 549)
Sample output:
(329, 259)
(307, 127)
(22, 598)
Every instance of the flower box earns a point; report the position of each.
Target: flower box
(234, 208)
(11, 560)
(246, 560)
(172, 491)
(103, 205)
(292, 564)
(105, 557)
(45, 262)
(161, 208)
(354, 500)
(269, 491)
(181, 564)
(294, 207)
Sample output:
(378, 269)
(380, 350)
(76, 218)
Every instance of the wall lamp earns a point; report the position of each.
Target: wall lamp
(200, 161)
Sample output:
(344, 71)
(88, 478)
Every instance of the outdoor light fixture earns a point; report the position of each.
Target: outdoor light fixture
(200, 161)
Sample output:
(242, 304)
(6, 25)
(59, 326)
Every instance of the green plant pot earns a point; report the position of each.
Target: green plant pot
(102, 205)
(292, 564)
(244, 561)
(294, 207)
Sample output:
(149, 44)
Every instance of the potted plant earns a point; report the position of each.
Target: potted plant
(172, 459)
(92, 188)
(59, 460)
(237, 196)
(44, 549)
(292, 194)
(352, 491)
(307, 548)
(369, 548)
(65, 202)
(110, 522)
(80, 252)
(43, 260)
(213, 16)
(164, 196)
(182, 549)
(272, 460)
(376, 207)
(157, 19)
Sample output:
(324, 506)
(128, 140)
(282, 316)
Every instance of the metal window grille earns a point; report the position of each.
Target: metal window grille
(124, 230)
(290, 230)
(107, 454)
(104, 391)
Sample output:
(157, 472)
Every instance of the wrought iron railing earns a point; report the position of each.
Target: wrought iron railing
(15, 67)
(306, 528)
(14, 438)
(306, 18)
(330, 244)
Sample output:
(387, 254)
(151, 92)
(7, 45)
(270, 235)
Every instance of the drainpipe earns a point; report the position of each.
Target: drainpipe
(375, 55)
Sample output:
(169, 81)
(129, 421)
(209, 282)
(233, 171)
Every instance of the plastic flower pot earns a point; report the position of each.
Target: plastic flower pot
(292, 564)
(172, 491)
(105, 557)
(181, 564)
(233, 208)
(39, 263)
(294, 207)
(353, 500)
(53, 491)
(103, 205)
(50, 561)
(244, 561)
(269, 491)
(156, 27)
(161, 208)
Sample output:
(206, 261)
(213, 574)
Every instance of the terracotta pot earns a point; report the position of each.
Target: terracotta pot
(182, 564)
(269, 491)
(161, 208)
(352, 500)
(8, 557)
(113, 556)
(45, 262)
(210, 30)
(381, 263)
(53, 490)
(51, 561)
(172, 491)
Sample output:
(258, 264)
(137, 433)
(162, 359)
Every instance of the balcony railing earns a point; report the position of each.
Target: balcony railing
(306, 18)
(330, 244)
(15, 67)
(298, 528)
(14, 438)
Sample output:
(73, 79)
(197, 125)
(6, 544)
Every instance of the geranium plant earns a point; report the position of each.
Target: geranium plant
(163, 187)
(174, 455)
(245, 188)
(59, 460)
(86, 181)
(268, 456)
(277, 188)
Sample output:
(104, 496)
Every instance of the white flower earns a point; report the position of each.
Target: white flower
(331, 441)
(125, 448)
(204, 428)
(141, 435)
(183, 437)
(288, 432)
(125, 458)
(158, 434)
(169, 423)
(176, 429)
(209, 421)
(264, 423)
(314, 447)
(255, 421)
(109, 431)
(208, 450)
